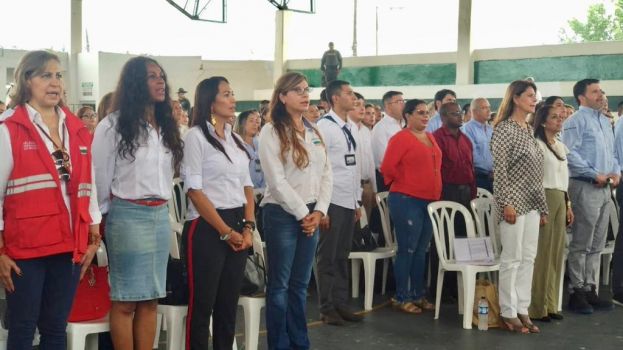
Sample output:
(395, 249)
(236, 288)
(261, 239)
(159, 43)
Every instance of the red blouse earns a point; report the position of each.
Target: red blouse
(412, 168)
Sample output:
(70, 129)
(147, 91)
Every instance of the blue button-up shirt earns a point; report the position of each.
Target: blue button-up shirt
(434, 123)
(588, 136)
(480, 135)
(618, 140)
(255, 168)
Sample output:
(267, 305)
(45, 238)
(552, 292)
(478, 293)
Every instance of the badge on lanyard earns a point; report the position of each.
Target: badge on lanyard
(258, 166)
(349, 159)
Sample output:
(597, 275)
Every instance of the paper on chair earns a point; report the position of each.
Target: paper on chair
(476, 250)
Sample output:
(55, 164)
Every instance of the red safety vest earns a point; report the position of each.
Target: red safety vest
(36, 220)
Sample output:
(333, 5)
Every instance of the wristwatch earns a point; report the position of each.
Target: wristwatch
(250, 224)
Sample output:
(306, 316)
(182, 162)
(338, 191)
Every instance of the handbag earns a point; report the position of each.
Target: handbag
(92, 300)
(177, 283)
(363, 240)
(490, 292)
(254, 281)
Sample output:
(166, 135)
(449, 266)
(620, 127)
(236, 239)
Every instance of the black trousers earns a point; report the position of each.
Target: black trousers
(215, 274)
(380, 182)
(461, 194)
(332, 258)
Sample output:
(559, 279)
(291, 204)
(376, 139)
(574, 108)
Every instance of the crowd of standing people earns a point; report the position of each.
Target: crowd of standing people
(67, 180)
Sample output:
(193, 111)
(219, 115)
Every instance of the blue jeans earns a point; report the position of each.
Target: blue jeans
(290, 254)
(42, 298)
(413, 233)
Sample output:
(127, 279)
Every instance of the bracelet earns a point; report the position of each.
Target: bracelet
(568, 204)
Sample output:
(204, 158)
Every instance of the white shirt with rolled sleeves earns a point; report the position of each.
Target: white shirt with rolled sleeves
(148, 175)
(365, 158)
(6, 163)
(287, 185)
(207, 169)
(346, 179)
(381, 133)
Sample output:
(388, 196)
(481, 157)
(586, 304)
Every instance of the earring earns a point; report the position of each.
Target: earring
(213, 119)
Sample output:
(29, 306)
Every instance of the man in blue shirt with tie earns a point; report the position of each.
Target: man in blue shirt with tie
(593, 169)
(479, 132)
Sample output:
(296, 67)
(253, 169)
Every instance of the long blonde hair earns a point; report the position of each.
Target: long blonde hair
(32, 64)
(507, 106)
(282, 121)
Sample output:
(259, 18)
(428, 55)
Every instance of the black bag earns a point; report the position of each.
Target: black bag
(254, 281)
(177, 283)
(363, 240)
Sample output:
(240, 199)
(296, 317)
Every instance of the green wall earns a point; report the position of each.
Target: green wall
(568, 68)
(392, 75)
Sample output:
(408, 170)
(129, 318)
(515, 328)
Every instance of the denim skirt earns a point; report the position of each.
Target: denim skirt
(137, 239)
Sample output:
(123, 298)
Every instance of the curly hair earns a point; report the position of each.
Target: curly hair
(132, 100)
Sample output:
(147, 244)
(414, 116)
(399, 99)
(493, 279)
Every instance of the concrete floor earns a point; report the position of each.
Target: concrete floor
(385, 328)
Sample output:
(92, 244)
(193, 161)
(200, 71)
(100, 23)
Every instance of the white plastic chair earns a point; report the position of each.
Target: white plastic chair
(252, 306)
(485, 216)
(442, 215)
(483, 193)
(606, 253)
(174, 316)
(369, 258)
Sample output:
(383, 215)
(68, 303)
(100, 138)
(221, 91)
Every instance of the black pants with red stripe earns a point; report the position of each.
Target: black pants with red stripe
(215, 274)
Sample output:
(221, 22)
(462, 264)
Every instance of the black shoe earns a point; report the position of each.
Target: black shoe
(617, 298)
(543, 319)
(578, 303)
(555, 316)
(332, 318)
(597, 303)
(348, 315)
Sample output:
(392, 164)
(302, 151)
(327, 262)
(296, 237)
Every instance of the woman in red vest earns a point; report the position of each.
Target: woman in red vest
(50, 219)
(136, 149)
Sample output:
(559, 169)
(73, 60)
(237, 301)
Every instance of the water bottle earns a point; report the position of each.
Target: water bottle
(483, 314)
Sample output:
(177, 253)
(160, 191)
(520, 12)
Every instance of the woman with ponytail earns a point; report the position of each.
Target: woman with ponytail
(298, 191)
(220, 221)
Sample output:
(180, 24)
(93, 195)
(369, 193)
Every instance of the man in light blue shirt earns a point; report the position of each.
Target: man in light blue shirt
(593, 169)
(479, 132)
(617, 256)
(441, 97)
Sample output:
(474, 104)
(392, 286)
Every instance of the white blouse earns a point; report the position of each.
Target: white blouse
(556, 172)
(148, 175)
(287, 185)
(207, 169)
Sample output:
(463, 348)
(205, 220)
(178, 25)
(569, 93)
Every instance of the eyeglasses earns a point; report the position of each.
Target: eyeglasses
(421, 112)
(302, 91)
(455, 114)
(62, 163)
(89, 116)
(398, 101)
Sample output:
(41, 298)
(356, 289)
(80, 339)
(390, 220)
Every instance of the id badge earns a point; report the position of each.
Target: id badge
(258, 166)
(349, 159)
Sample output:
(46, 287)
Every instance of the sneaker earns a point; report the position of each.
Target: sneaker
(617, 298)
(597, 303)
(578, 303)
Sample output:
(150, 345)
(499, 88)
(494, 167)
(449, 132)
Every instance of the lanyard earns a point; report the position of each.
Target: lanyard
(350, 140)
(62, 147)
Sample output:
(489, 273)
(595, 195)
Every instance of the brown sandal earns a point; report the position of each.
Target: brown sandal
(424, 304)
(525, 320)
(408, 307)
(513, 325)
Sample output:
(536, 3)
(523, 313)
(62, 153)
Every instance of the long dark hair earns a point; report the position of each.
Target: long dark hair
(540, 117)
(507, 105)
(205, 95)
(282, 121)
(132, 100)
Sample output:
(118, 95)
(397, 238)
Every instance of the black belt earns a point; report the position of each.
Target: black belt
(584, 179)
